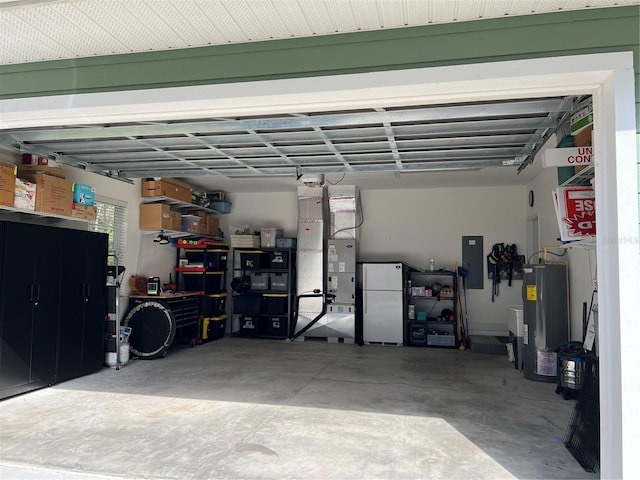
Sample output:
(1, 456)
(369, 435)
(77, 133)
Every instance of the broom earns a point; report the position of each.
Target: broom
(461, 328)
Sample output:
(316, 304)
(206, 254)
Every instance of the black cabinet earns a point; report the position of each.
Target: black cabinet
(433, 309)
(51, 329)
(264, 287)
(83, 299)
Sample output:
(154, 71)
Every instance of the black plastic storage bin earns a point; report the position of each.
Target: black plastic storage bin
(213, 260)
(279, 259)
(247, 304)
(214, 304)
(276, 327)
(252, 260)
(209, 282)
(250, 326)
(418, 334)
(216, 259)
(276, 304)
(214, 328)
(279, 282)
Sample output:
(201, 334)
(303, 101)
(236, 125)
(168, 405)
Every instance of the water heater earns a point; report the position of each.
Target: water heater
(546, 319)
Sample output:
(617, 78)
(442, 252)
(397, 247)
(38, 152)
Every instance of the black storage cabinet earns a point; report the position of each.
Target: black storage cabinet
(52, 305)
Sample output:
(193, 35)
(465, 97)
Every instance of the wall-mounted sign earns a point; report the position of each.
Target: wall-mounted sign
(567, 157)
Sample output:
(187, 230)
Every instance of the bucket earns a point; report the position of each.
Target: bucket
(111, 359)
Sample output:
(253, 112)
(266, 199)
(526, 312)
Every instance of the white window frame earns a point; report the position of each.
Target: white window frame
(117, 236)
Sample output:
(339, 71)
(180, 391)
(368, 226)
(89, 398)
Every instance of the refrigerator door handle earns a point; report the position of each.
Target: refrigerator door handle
(364, 301)
(364, 277)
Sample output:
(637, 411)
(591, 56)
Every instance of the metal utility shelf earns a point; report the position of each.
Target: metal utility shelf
(53, 216)
(581, 178)
(180, 205)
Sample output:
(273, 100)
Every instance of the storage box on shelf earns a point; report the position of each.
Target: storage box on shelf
(264, 286)
(201, 266)
(173, 207)
(433, 312)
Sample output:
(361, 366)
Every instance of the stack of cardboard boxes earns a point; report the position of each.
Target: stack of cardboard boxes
(160, 215)
(37, 185)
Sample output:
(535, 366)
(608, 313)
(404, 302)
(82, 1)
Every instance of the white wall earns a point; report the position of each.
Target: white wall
(256, 210)
(416, 225)
(419, 224)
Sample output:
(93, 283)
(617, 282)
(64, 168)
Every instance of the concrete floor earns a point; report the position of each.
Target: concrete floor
(263, 409)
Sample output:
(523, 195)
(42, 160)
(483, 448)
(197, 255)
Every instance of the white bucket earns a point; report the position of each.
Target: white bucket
(111, 359)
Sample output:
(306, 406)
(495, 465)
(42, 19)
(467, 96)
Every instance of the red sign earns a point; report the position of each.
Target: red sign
(580, 211)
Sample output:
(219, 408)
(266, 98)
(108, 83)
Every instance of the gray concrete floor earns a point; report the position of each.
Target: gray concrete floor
(263, 409)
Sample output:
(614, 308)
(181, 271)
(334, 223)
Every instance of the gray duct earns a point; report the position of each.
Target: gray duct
(310, 269)
(344, 203)
(324, 269)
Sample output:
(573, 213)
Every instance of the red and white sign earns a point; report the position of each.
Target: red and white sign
(567, 157)
(576, 211)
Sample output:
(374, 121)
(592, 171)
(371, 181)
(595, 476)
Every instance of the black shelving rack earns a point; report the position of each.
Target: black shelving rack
(433, 309)
(201, 266)
(263, 291)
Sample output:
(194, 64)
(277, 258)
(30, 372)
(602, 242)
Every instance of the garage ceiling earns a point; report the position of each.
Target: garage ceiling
(479, 142)
(434, 137)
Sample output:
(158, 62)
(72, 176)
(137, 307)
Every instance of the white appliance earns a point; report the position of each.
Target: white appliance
(384, 304)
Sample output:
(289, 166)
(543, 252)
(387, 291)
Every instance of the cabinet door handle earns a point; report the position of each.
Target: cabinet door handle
(37, 293)
(88, 292)
(31, 292)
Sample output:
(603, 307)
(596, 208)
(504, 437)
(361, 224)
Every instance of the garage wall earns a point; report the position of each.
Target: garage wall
(415, 225)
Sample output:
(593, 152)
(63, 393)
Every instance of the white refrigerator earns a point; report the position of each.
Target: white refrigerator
(384, 305)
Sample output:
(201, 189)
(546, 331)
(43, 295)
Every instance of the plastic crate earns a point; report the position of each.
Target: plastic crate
(213, 328)
(276, 304)
(214, 305)
(259, 281)
(286, 242)
(417, 334)
(209, 282)
(247, 304)
(220, 206)
(250, 326)
(276, 327)
(279, 282)
(215, 259)
(279, 259)
(441, 340)
(252, 260)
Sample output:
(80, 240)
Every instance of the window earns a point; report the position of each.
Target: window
(112, 219)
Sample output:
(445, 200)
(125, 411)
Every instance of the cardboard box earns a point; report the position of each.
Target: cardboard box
(167, 187)
(155, 216)
(43, 169)
(202, 226)
(84, 212)
(176, 221)
(213, 226)
(25, 195)
(583, 137)
(84, 194)
(53, 194)
(7, 184)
